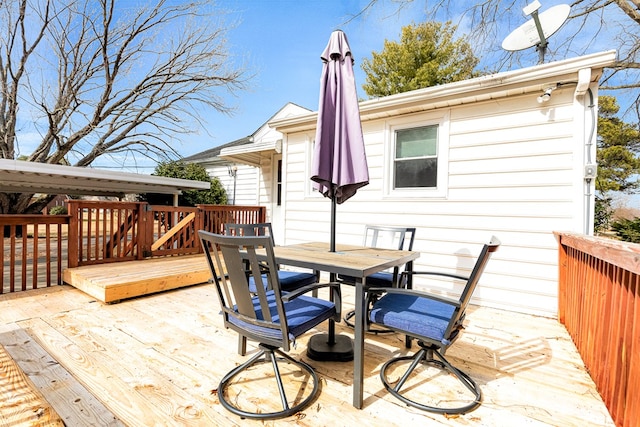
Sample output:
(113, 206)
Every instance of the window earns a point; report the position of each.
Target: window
(416, 157)
(279, 184)
(417, 163)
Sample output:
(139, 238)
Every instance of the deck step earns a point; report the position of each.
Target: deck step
(117, 281)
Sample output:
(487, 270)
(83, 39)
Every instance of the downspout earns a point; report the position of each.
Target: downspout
(590, 167)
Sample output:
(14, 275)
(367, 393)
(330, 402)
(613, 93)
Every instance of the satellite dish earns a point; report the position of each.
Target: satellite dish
(537, 30)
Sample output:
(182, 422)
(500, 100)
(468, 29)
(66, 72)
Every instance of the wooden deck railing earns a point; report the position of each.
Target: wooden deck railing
(102, 232)
(34, 251)
(36, 248)
(599, 303)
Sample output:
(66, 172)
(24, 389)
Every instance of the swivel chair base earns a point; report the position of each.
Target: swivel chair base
(269, 354)
(425, 355)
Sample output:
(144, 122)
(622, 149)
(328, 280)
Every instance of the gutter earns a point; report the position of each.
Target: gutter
(492, 86)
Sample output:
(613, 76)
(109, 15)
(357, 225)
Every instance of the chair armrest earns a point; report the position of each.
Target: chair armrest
(288, 296)
(434, 273)
(417, 293)
(336, 294)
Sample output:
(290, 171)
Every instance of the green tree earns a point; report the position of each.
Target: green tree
(592, 25)
(428, 54)
(618, 158)
(176, 169)
(627, 229)
(114, 79)
(618, 150)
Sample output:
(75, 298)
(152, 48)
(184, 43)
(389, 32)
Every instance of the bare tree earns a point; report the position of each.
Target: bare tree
(103, 78)
(593, 24)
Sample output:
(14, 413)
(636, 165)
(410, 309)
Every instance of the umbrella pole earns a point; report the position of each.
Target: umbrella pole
(332, 238)
(332, 278)
(328, 347)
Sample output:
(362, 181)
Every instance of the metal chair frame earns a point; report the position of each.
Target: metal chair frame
(373, 237)
(432, 349)
(268, 317)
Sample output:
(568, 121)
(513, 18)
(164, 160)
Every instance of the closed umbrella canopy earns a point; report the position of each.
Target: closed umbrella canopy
(339, 162)
(339, 166)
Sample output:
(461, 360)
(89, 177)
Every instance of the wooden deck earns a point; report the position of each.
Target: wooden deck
(157, 360)
(113, 282)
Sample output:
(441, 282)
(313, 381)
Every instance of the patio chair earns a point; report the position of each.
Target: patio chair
(271, 317)
(435, 321)
(289, 280)
(389, 238)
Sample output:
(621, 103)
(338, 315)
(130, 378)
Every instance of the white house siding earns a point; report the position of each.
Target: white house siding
(247, 178)
(515, 170)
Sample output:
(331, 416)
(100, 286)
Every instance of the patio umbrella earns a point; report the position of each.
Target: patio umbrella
(339, 166)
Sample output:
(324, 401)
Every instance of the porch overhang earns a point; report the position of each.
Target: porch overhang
(251, 154)
(18, 176)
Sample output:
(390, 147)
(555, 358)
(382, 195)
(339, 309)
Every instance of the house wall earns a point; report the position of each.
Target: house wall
(515, 170)
(247, 179)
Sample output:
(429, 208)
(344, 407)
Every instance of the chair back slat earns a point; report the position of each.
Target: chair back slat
(389, 237)
(473, 280)
(385, 237)
(234, 282)
(257, 229)
(232, 260)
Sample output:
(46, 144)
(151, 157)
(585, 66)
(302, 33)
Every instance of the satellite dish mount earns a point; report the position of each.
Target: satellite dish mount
(541, 47)
(537, 30)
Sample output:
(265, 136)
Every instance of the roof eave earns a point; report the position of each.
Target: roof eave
(492, 86)
(18, 176)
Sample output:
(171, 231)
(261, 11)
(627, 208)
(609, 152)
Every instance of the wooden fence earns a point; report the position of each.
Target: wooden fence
(36, 248)
(599, 303)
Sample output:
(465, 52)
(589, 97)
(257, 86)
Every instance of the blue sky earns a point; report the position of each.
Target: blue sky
(280, 42)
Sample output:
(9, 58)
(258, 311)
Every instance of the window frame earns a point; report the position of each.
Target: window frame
(440, 120)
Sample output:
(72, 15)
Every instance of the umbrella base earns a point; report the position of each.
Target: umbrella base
(319, 348)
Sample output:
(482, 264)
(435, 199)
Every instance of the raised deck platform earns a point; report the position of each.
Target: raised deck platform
(117, 281)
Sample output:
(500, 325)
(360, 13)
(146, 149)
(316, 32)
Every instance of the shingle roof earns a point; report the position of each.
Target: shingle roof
(215, 151)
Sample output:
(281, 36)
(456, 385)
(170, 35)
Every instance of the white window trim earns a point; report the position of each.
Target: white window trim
(441, 119)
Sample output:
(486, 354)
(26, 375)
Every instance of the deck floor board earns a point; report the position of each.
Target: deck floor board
(156, 360)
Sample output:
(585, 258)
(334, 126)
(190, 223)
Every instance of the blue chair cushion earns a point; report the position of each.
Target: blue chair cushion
(412, 314)
(303, 313)
(382, 279)
(289, 280)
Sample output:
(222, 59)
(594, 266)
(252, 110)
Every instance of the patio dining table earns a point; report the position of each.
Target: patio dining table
(355, 261)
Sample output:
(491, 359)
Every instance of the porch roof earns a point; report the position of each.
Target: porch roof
(26, 177)
(251, 154)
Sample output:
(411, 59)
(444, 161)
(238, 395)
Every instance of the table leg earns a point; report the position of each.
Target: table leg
(358, 345)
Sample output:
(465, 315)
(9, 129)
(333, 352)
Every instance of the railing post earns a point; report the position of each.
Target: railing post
(73, 257)
(145, 230)
(562, 279)
(199, 224)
